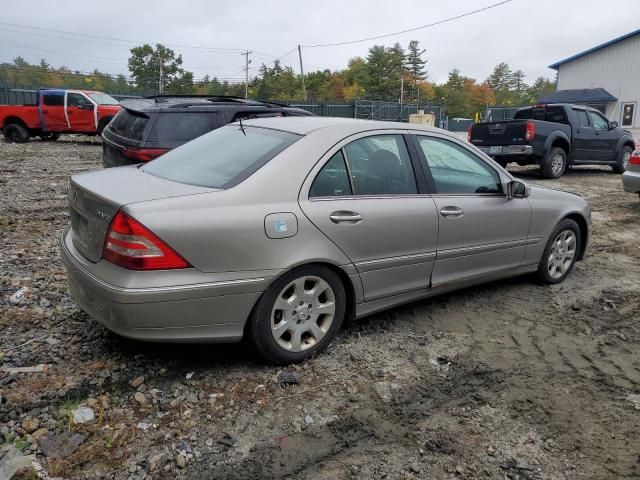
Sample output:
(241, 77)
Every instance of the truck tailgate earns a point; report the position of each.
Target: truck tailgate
(508, 132)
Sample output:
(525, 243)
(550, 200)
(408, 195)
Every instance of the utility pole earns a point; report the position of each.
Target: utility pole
(246, 72)
(304, 92)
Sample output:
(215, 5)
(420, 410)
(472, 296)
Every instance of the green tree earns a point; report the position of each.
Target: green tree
(502, 82)
(415, 64)
(539, 88)
(159, 69)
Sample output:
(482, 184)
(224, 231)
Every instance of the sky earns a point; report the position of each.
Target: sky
(527, 34)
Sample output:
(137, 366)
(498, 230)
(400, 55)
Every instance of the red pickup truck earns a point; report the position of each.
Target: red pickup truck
(58, 111)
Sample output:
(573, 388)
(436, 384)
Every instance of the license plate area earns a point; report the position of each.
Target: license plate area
(495, 150)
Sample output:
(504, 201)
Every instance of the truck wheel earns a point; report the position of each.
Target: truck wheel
(49, 137)
(623, 158)
(555, 164)
(16, 133)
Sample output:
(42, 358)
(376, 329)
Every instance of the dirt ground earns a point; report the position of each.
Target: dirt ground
(506, 380)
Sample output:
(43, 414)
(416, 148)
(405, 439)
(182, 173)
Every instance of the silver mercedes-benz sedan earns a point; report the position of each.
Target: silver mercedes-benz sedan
(280, 229)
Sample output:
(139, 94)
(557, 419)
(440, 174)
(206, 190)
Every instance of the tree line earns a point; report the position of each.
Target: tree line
(385, 73)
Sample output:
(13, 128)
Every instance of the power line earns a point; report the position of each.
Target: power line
(112, 39)
(349, 42)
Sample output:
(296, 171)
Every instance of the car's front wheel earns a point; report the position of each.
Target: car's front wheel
(560, 253)
(298, 315)
(623, 159)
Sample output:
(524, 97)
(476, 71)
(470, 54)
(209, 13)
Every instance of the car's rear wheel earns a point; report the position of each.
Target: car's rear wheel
(623, 160)
(555, 164)
(16, 133)
(560, 253)
(298, 315)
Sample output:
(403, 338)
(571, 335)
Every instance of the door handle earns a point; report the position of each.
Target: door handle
(451, 212)
(345, 217)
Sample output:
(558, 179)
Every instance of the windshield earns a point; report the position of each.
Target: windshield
(222, 158)
(103, 99)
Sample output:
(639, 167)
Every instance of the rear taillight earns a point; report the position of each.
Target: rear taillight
(634, 159)
(530, 132)
(131, 245)
(143, 154)
(469, 132)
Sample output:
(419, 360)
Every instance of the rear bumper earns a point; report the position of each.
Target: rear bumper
(631, 181)
(507, 150)
(214, 311)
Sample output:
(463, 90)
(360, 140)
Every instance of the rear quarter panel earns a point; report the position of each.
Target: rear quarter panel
(28, 114)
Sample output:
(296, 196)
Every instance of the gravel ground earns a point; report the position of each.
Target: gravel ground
(506, 380)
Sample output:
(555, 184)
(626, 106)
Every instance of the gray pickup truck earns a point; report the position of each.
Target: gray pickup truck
(555, 136)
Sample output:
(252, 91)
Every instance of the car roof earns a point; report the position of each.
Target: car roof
(181, 103)
(350, 126)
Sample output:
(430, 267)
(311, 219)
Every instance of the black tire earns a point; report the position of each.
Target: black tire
(16, 133)
(259, 329)
(620, 165)
(554, 164)
(49, 137)
(102, 124)
(544, 274)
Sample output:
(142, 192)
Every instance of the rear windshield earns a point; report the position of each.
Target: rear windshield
(222, 158)
(129, 124)
(548, 114)
(182, 127)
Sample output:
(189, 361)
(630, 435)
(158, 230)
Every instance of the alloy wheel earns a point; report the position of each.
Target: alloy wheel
(557, 163)
(625, 159)
(303, 313)
(562, 253)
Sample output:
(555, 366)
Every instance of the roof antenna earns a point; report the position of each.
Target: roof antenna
(241, 127)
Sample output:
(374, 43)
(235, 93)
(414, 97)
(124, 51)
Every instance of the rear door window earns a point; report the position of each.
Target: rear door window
(583, 121)
(55, 99)
(380, 165)
(333, 179)
(129, 124)
(222, 158)
(181, 127)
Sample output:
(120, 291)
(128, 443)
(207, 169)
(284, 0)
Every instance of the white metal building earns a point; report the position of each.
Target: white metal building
(606, 77)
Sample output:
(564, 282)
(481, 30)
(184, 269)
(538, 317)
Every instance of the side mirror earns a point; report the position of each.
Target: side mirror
(613, 125)
(517, 189)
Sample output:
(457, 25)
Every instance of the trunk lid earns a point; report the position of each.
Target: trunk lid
(509, 132)
(94, 198)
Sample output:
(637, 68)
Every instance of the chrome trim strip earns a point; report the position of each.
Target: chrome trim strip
(394, 262)
(475, 250)
(534, 240)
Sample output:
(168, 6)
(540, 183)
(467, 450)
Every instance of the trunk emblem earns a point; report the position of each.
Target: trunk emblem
(102, 215)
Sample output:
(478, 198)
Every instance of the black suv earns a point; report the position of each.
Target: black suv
(148, 127)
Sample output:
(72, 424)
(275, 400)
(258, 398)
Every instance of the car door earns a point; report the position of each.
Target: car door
(51, 111)
(583, 136)
(605, 139)
(80, 113)
(364, 196)
(481, 230)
